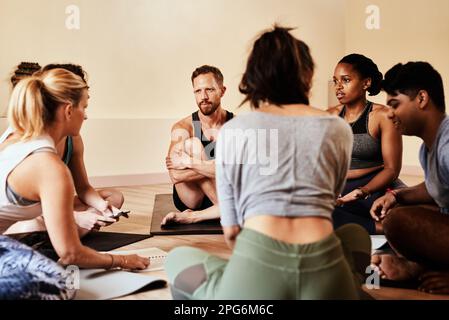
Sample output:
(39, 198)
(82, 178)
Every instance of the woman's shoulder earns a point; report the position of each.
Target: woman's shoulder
(314, 111)
(44, 167)
(46, 160)
(335, 109)
(380, 109)
(380, 113)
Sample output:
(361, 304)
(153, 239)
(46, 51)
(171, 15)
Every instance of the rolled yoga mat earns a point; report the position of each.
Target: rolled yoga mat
(163, 204)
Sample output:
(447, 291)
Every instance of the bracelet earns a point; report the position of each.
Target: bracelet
(112, 261)
(394, 193)
(365, 192)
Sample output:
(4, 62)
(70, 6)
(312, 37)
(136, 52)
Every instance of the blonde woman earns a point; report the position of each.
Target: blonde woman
(71, 151)
(43, 110)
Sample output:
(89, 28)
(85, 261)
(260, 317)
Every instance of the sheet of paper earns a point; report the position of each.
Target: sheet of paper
(156, 255)
(377, 241)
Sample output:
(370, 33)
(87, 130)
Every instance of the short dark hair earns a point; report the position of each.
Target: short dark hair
(412, 77)
(209, 69)
(23, 70)
(279, 70)
(74, 68)
(366, 68)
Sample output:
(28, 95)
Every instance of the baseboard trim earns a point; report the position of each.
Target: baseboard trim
(163, 177)
(129, 180)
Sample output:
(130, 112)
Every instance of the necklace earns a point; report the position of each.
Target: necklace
(351, 124)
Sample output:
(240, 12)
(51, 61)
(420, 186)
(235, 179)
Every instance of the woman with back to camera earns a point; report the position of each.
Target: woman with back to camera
(43, 109)
(277, 217)
(377, 150)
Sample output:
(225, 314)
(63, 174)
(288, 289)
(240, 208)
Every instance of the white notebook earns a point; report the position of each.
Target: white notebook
(156, 255)
(377, 241)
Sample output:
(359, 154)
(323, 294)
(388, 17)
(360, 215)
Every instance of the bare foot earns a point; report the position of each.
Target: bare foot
(393, 267)
(185, 217)
(435, 282)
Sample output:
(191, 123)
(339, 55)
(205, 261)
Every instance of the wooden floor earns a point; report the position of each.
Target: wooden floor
(140, 201)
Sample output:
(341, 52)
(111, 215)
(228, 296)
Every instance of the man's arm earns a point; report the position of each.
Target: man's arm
(414, 195)
(179, 134)
(181, 161)
(206, 168)
(405, 196)
(185, 175)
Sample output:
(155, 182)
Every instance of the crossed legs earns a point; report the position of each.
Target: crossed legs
(192, 194)
(114, 197)
(420, 237)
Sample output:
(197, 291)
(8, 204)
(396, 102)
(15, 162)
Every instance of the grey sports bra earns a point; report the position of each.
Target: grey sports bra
(366, 150)
(16, 198)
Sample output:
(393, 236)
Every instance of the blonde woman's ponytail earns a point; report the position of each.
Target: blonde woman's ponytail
(26, 108)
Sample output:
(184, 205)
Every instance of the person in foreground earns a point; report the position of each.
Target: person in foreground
(44, 109)
(416, 219)
(279, 171)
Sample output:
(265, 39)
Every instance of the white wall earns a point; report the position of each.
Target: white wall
(410, 30)
(140, 54)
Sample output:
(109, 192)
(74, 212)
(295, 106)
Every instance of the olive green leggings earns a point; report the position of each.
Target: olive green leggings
(263, 268)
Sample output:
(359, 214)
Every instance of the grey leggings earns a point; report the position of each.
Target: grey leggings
(264, 268)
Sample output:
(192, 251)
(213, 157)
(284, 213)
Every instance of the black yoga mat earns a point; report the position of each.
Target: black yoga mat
(100, 241)
(163, 204)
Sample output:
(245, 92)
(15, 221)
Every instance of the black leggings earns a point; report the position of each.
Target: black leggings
(358, 211)
(182, 207)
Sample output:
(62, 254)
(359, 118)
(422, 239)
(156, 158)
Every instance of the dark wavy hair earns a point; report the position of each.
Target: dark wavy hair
(366, 68)
(24, 70)
(27, 69)
(412, 77)
(279, 70)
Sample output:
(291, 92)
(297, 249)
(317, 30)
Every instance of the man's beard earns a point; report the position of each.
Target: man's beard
(208, 109)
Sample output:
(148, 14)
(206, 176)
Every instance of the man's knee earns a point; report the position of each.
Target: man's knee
(187, 197)
(354, 237)
(118, 199)
(401, 228)
(356, 244)
(193, 147)
(114, 197)
(396, 223)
